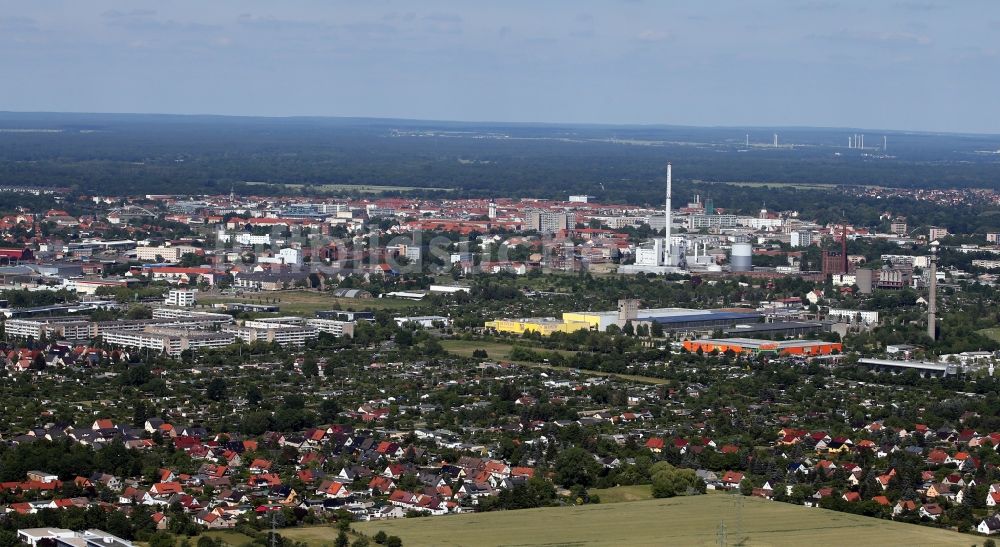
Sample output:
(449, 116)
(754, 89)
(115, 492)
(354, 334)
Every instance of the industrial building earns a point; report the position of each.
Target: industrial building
(680, 319)
(868, 317)
(777, 328)
(542, 325)
(670, 319)
(425, 321)
(8, 256)
(60, 537)
(660, 256)
(753, 346)
(741, 259)
(689, 252)
(835, 262)
(923, 368)
(595, 320)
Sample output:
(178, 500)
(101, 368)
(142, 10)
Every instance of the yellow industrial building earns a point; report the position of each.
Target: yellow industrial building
(672, 319)
(542, 325)
(599, 320)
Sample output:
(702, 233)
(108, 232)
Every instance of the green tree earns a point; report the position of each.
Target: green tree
(328, 410)
(161, 539)
(217, 389)
(254, 396)
(139, 312)
(669, 481)
(310, 368)
(576, 466)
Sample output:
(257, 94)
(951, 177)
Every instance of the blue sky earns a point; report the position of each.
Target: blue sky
(892, 64)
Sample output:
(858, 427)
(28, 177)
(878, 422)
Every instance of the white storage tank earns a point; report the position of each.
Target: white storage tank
(742, 258)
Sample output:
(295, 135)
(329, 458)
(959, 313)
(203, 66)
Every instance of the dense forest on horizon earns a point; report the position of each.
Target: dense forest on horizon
(129, 154)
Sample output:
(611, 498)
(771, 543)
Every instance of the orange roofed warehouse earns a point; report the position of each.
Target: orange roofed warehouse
(752, 346)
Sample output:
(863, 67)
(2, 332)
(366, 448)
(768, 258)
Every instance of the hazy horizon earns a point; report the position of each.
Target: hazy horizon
(876, 131)
(909, 65)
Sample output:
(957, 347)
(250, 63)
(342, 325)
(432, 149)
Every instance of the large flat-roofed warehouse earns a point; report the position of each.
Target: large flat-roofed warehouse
(777, 328)
(671, 319)
(674, 319)
(752, 346)
(542, 325)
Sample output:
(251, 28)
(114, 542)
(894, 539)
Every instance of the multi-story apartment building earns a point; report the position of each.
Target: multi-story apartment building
(264, 331)
(699, 222)
(332, 326)
(547, 222)
(179, 297)
(171, 341)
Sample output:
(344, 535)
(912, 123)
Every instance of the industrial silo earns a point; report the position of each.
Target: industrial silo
(741, 258)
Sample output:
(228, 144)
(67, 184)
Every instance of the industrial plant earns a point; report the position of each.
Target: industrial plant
(701, 244)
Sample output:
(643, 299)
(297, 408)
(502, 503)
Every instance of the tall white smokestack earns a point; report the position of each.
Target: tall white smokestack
(666, 232)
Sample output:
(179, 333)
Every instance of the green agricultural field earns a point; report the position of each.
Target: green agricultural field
(228, 537)
(618, 494)
(307, 303)
(695, 520)
(495, 349)
(992, 333)
(776, 184)
(796, 185)
(501, 350)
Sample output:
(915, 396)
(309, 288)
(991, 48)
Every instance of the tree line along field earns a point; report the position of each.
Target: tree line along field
(677, 521)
